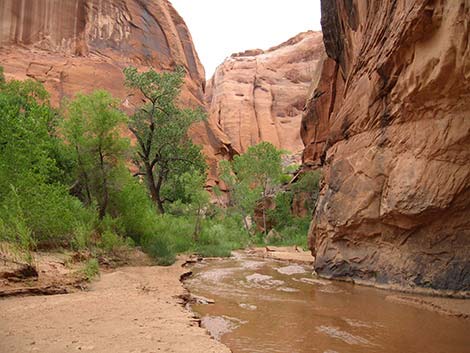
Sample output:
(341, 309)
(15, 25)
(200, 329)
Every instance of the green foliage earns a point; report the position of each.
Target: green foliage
(220, 236)
(243, 195)
(196, 198)
(131, 203)
(14, 227)
(25, 137)
(80, 194)
(285, 178)
(159, 247)
(294, 233)
(308, 184)
(164, 151)
(83, 236)
(293, 230)
(260, 166)
(291, 169)
(110, 241)
(35, 208)
(91, 269)
(281, 216)
(251, 176)
(93, 130)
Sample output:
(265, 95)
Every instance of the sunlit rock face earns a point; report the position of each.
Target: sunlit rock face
(82, 45)
(259, 95)
(390, 123)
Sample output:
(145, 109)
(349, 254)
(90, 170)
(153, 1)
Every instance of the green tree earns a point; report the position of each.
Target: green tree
(197, 198)
(26, 135)
(93, 129)
(164, 150)
(252, 175)
(308, 184)
(35, 206)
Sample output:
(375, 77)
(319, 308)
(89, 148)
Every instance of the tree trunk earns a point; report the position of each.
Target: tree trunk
(151, 183)
(85, 176)
(157, 193)
(245, 222)
(264, 221)
(264, 209)
(104, 203)
(197, 228)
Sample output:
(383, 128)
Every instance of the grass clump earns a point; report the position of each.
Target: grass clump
(91, 269)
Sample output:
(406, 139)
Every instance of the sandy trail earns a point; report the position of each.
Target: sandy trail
(131, 310)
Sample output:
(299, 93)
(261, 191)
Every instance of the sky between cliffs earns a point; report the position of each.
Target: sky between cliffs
(222, 27)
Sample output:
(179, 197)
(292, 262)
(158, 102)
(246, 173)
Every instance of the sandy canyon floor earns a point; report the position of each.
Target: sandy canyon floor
(131, 310)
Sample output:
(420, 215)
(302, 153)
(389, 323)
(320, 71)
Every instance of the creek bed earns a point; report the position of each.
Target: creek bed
(267, 306)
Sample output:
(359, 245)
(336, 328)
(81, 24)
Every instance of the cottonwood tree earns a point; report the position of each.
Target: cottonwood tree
(164, 150)
(195, 199)
(252, 175)
(93, 129)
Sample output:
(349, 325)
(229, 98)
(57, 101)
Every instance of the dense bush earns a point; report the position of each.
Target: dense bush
(80, 194)
(220, 236)
(35, 207)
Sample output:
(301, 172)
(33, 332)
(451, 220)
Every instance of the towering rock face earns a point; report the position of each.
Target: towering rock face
(390, 122)
(82, 45)
(259, 95)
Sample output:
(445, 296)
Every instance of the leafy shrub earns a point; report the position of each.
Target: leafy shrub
(82, 236)
(47, 213)
(159, 247)
(110, 241)
(293, 234)
(220, 236)
(52, 214)
(133, 206)
(281, 215)
(308, 183)
(91, 269)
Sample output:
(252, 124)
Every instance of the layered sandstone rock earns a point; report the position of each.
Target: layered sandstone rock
(259, 95)
(82, 45)
(390, 122)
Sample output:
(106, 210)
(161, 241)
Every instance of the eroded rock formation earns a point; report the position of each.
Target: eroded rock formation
(390, 122)
(259, 95)
(82, 45)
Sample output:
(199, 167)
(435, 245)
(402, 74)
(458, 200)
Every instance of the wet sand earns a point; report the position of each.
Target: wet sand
(284, 253)
(132, 309)
(446, 306)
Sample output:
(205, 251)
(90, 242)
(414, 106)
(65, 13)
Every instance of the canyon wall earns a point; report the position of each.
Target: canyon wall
(259, 95)
(389, 121)
(81, 45)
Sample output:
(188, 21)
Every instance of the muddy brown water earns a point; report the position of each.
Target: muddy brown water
(267, 306)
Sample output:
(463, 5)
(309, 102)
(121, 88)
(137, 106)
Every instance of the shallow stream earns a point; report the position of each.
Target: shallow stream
(266, 306)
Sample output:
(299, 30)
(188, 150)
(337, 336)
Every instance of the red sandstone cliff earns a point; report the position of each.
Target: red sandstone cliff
(259, 95)
(390, 122)
(82, 45)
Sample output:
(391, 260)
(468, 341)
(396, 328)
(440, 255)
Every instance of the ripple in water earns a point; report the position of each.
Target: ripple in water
(263, 281)
(220, 325)
(291, 270)
(247, 306)
(342, 335)
(217, 275)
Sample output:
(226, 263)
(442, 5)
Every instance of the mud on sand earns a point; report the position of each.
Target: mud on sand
(131, 309)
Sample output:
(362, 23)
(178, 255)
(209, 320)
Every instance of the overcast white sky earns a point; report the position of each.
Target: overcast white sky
(222, 27)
